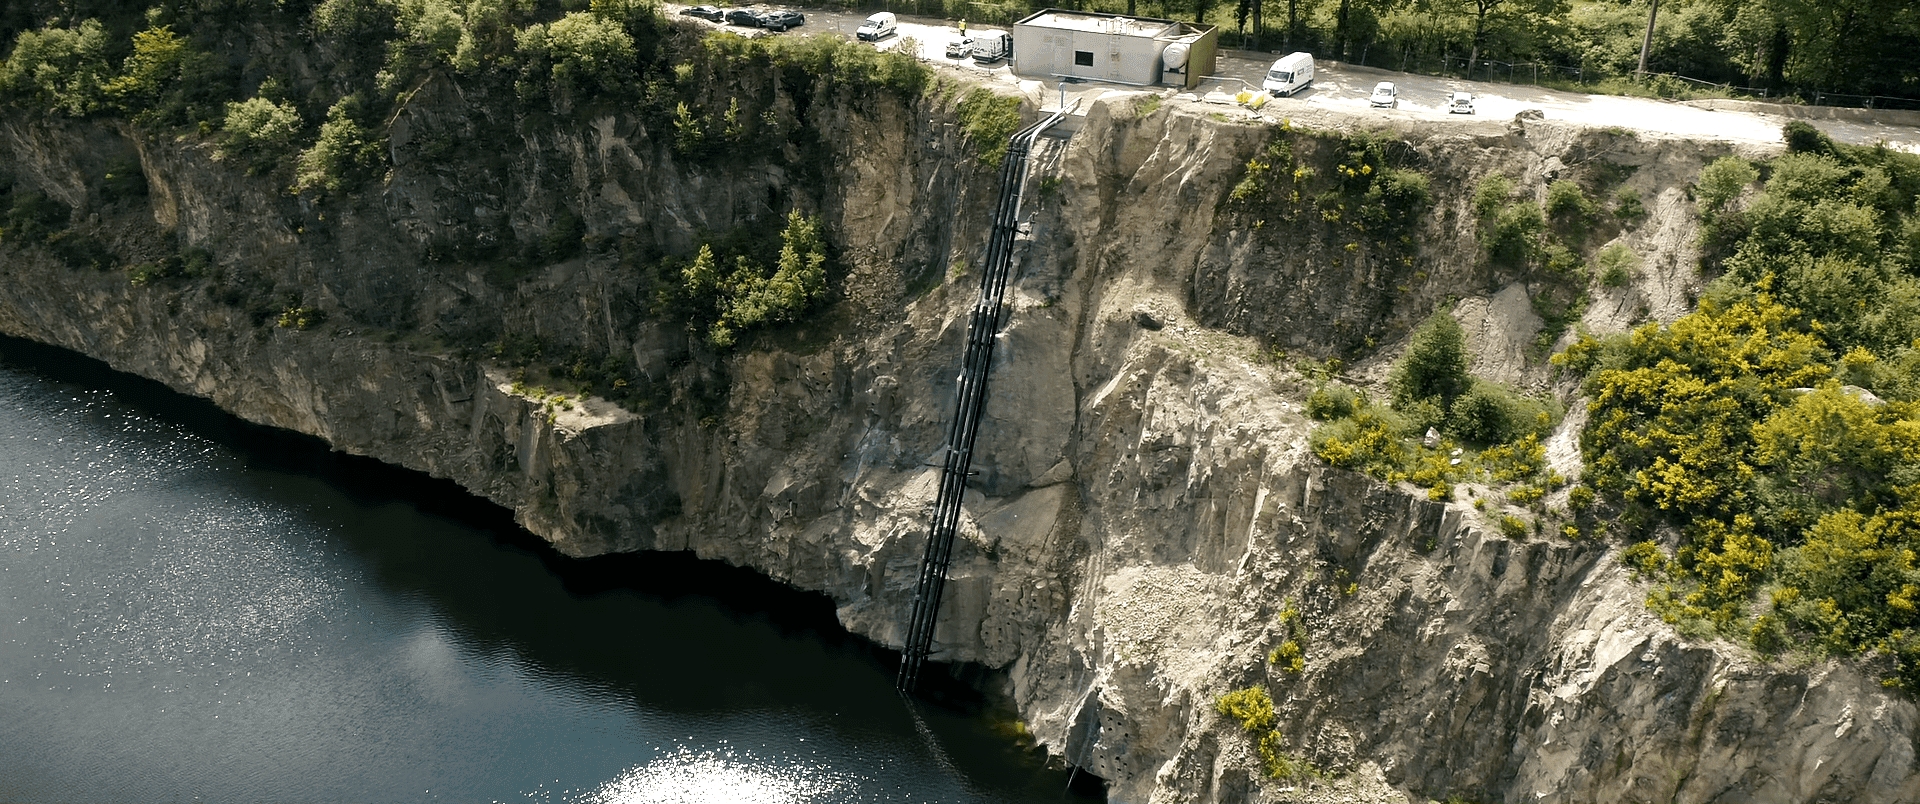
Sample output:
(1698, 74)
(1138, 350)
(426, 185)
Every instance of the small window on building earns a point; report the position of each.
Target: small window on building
(1083, 58)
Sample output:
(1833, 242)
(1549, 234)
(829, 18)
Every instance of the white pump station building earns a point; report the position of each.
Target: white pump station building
(1113, 48)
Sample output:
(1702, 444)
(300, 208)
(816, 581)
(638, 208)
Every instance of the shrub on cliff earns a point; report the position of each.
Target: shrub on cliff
(1372, 440)
(260, 127)
(1332, 400)
(1721, 181)
(344, 155)
(1490, 413)
(160, 58)
(1732, 425)
(62, 69)
(589, 50)
(1435, 365)
(554, 65)
(1252, 708)
(1490, 195)
(1671, 423)
(728, 298)
(31, 216)
(1569, 206)
(1395, 198)
(1513, 238)
(989, 119)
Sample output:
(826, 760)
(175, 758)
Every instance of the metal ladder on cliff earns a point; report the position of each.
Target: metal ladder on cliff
(970, 400)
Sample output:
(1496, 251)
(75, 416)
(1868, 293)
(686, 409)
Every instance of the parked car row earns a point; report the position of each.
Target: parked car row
(1387, 93)
(777, 20)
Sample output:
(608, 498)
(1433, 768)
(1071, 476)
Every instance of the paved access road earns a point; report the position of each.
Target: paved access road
(1347, 87)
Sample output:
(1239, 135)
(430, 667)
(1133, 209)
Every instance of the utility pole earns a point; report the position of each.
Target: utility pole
(1647, 41)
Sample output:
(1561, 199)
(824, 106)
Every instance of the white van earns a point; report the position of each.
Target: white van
(878, 26)
(992, 46)
(1292, 73)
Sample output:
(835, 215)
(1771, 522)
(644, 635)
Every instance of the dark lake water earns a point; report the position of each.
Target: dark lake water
(194, 609)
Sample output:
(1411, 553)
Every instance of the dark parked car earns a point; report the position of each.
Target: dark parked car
(705, 13)
(745, 17)
(782, 20)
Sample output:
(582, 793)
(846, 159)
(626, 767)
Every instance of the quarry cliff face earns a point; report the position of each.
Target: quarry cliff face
(1146, 524)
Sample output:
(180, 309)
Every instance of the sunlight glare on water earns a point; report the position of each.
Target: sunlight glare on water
(722, 777)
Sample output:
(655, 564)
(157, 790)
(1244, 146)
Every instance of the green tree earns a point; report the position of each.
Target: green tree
(1492, 18)
(1435, 365)
(262, 126)
(486, 35)
(356, 29)
(429, 35)
(799, 279)
(345, 154)
(61, 69)
(731, 303)
(702, 276)
(1721, 181)
(1828, 235)
(1846, 45)
(590, 51)
(689, 132)
(158, 56)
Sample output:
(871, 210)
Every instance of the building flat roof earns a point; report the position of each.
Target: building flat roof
(1096, 22)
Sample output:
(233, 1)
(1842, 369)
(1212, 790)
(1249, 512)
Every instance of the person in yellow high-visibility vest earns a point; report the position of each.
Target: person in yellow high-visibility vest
(963, 27)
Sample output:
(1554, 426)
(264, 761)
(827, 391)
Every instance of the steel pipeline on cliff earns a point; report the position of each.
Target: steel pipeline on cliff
(983, 329)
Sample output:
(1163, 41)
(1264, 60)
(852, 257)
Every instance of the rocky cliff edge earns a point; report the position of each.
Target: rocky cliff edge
(1146, 526)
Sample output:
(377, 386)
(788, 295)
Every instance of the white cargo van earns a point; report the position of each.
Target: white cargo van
(878, 26)
(1292, 73)
(992, 46)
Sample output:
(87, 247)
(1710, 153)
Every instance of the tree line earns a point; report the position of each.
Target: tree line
(1784, 47)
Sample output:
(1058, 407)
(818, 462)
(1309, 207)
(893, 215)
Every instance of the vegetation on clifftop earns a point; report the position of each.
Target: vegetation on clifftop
(1762, 454)
(1370, 191)
(302, 93)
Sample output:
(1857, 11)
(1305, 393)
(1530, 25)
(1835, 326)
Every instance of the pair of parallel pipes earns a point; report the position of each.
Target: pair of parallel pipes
(970, 400)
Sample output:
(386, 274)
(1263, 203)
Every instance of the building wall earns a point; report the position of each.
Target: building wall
(1041, 52)
(1047, 51)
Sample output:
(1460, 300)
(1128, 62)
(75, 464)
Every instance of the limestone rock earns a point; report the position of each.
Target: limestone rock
(1145, 507)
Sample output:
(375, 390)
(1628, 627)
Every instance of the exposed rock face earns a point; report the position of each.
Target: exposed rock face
(1145, 507)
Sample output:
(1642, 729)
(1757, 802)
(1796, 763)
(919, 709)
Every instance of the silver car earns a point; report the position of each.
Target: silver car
(1385, 94)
